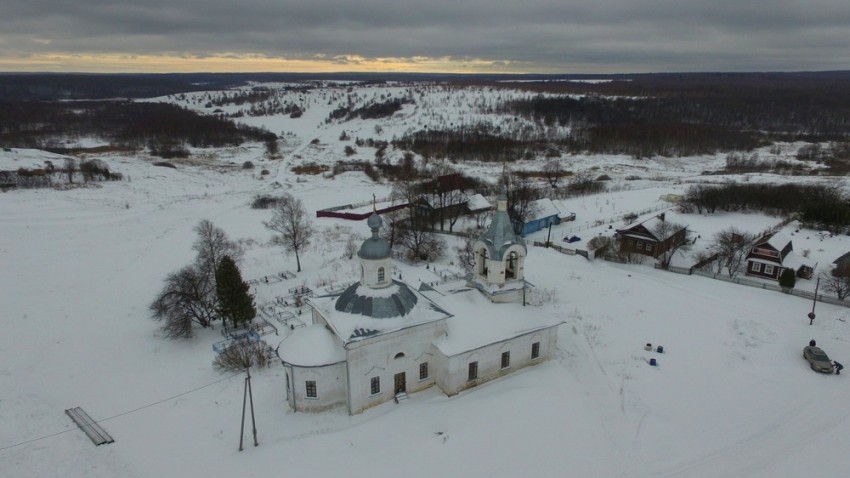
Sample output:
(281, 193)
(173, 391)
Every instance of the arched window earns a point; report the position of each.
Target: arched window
(399, 355)
(510, 267)
(482, 262)
(381, 275)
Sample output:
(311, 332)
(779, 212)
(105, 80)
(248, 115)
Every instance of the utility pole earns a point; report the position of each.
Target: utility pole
(247, 395)
(814, 302)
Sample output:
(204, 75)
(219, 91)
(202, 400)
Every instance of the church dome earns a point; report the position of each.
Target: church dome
(375, 247)
(393, 301)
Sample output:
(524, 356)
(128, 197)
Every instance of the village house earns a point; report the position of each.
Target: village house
(381, 339)
(653, 236)
(772, 254)
(542, 214)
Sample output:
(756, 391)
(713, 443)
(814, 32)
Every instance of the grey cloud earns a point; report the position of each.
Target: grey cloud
(605, 35)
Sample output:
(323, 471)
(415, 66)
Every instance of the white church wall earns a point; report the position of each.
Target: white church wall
(331, 386)
(489, 360)
(379, 357)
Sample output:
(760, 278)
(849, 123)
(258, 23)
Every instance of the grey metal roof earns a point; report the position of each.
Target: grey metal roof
(396, 305)
(375, 247)
(500, 235)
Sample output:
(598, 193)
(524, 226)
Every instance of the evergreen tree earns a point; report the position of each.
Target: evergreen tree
(787, 279)
(235, 303)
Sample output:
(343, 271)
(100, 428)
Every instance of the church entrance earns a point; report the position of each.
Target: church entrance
(400, 383)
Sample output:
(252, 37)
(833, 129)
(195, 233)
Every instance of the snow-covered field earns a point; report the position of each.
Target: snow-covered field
(731, 396)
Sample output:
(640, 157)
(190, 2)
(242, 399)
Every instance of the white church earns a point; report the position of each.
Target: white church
(381, 340)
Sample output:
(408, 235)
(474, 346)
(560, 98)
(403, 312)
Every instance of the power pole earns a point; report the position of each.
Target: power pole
(247, 395)
(814, 302)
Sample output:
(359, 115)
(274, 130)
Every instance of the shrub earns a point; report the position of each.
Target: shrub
(787, 279)
(165, 164)
(264, 202)
(243, 354)
(247, 165)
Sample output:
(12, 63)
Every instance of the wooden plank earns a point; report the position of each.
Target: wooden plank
(95, 432)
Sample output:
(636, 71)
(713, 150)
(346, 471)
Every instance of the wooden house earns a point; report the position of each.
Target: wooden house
(772, 254)
(653, 236)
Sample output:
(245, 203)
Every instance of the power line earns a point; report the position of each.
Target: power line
(123, 413)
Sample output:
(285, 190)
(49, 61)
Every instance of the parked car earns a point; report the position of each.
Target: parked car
(572, 239)
(818, 359)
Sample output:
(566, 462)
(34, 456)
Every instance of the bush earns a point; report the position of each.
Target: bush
(243, 354)
(264, 202)
(247, 165)
(165, 164)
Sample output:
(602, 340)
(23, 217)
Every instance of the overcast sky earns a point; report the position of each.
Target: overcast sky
(535, 36)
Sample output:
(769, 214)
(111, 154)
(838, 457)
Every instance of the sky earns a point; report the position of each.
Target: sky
(459, 36)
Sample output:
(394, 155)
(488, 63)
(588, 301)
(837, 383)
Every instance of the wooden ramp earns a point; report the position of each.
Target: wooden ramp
(97, 434)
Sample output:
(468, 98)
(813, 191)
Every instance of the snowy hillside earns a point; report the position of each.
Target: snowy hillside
(731, 395)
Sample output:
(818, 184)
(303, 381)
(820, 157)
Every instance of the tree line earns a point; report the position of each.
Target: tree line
(821, 206)
(160, 126)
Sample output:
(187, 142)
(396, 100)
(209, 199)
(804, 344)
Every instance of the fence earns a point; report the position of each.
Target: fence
(768, 286)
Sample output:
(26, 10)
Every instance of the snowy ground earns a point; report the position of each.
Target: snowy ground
(731, 396)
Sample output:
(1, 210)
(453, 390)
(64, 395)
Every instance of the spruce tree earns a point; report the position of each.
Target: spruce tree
(787, 279)
(235, 303)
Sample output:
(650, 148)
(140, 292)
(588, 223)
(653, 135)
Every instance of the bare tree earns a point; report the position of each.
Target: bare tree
(731, 245)
(520, 193)
(664, 230)
(552, 172)
(289, 219)
(184, 300)
(837, 281)
(243, 354)
(70, 168)
(419, 242)
(212, 244)
(466, 252)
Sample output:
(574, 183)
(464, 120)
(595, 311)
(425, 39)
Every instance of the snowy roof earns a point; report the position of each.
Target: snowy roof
(477, 322)
(312, 346)
(392, 301)
(778, 241)
(652, 223)
(542, 208)
(352, 326)
(478, 203)
(795, 261)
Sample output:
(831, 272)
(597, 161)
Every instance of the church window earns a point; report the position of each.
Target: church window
(506, 359)
(381, 275)
(510, 269)
(423, 370)
(311, 389)
(473, 370)
(483, 268)
(535, 350)
(399, 355)
(375, 385)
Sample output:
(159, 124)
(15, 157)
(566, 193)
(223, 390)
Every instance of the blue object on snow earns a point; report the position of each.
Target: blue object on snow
(653, 362)
(660, 349)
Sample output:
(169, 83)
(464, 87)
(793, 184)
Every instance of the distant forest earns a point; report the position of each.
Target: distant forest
(641, 115)
(165, 129)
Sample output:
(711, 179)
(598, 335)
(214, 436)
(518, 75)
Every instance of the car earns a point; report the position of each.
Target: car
(817, 359)
(572, 239)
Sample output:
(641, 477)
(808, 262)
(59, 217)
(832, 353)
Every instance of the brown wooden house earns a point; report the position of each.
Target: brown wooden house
(772, 254)
(653, 236)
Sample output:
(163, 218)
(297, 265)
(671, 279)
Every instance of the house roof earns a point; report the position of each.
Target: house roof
(844, 258)
(777, 241)
(478, 202)
(542, 208)
(648, 226)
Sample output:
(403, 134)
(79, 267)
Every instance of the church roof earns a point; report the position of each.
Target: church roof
(393, 301)
(312, 346)
(356, 319)
(500, 235)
